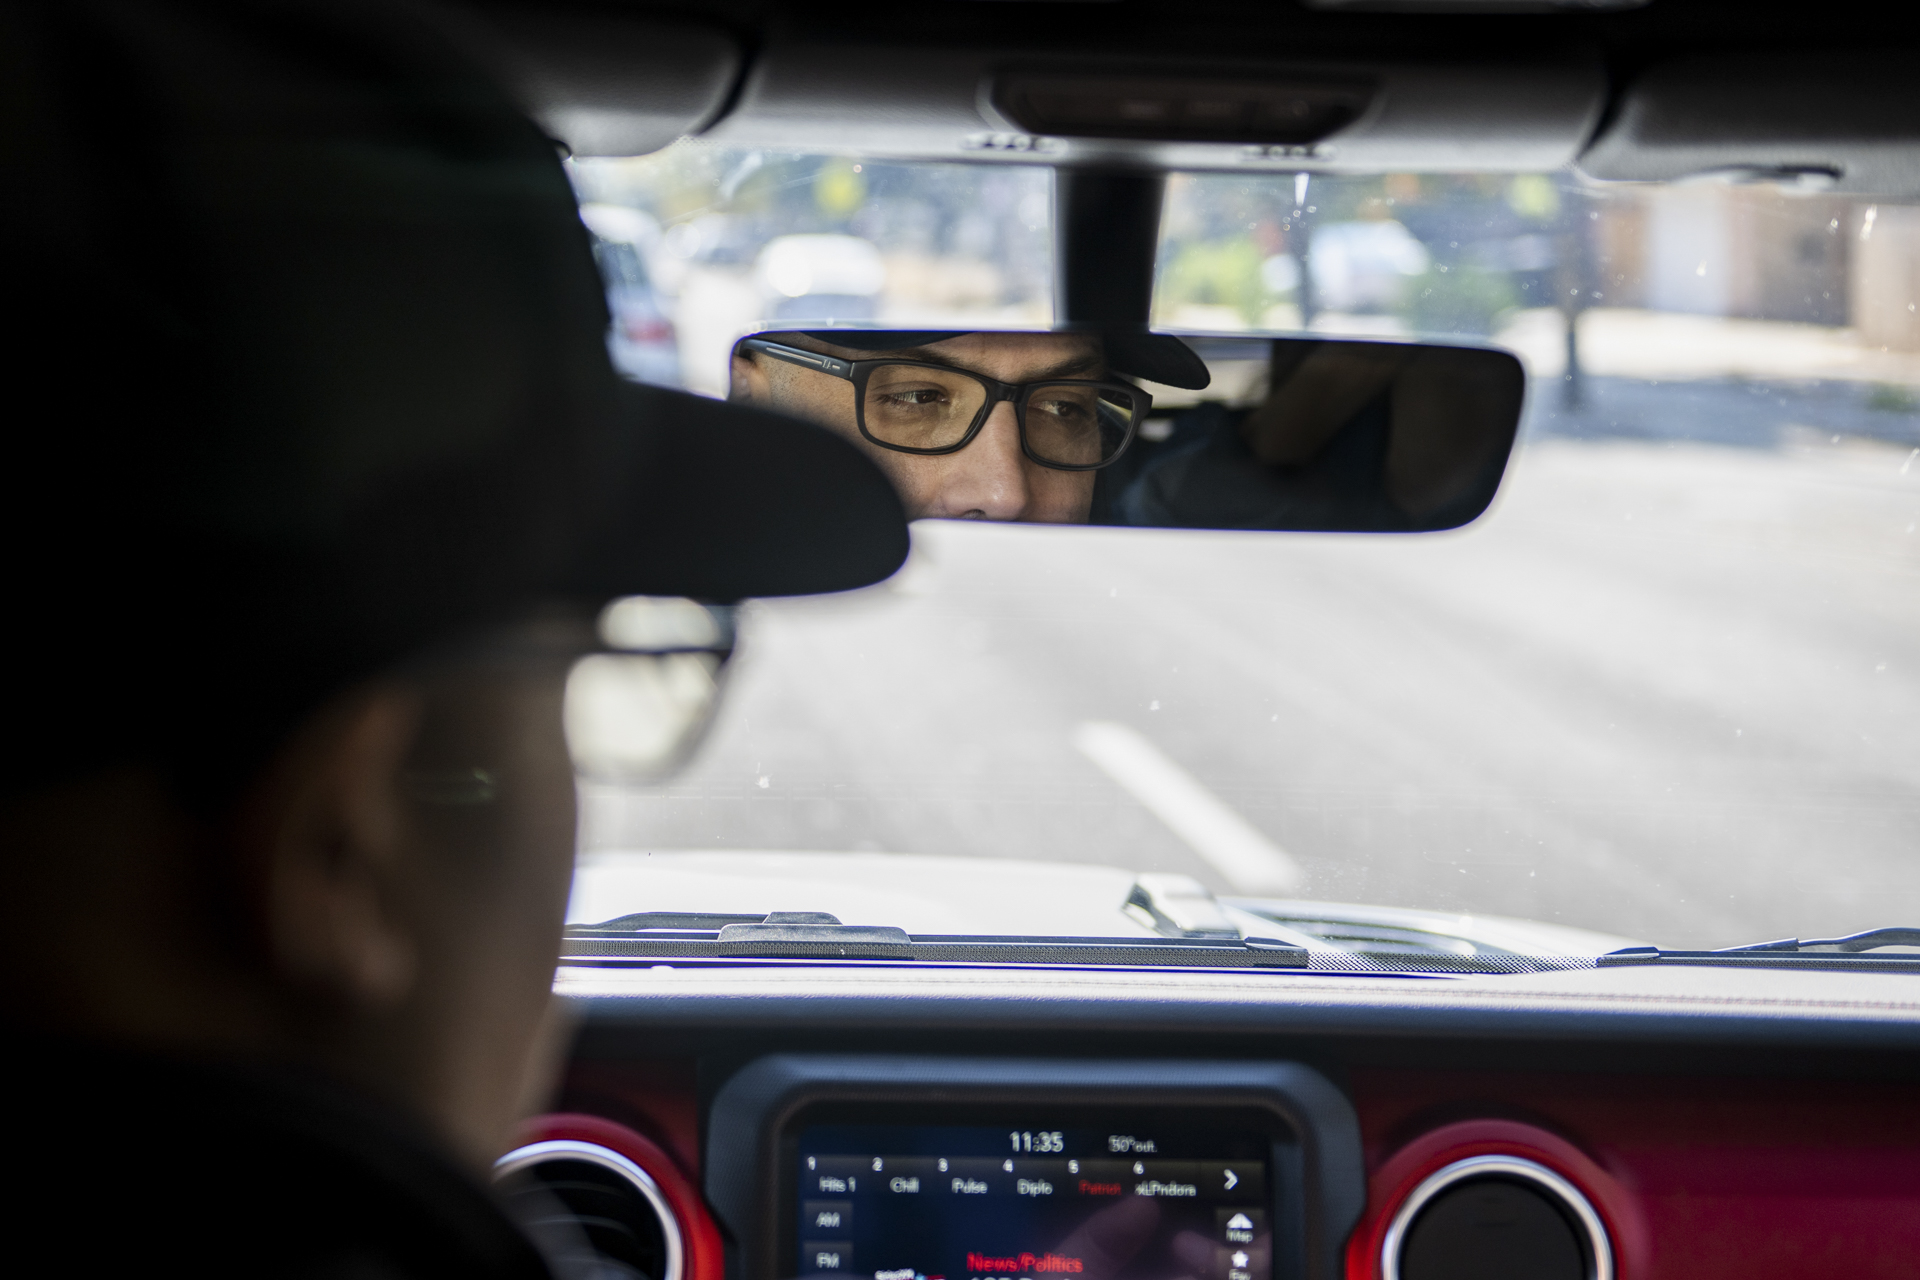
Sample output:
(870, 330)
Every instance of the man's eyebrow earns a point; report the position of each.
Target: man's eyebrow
(1073, 366)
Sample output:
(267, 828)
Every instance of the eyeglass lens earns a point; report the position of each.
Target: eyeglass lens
(633, 714)
(1068, 423)
(1077, 424)
(916, 407)
(631, 717)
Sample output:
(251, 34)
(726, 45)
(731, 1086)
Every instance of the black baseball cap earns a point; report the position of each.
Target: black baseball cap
(1156, 357)
(309, 372)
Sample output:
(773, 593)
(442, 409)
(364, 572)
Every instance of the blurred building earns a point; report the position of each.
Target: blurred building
(1885, 280)
(1756, 254)
(1711, 249)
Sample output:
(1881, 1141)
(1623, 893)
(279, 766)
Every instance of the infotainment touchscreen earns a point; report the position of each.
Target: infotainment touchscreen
(1019, 1202)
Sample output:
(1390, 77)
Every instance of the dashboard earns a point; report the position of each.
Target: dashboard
(870, 1123)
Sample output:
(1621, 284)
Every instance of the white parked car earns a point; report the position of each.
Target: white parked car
(641, 338)
(821, 277)
(1363, 266)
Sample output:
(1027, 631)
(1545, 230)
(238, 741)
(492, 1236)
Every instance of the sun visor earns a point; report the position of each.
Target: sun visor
(614, 86)
(1828, 122)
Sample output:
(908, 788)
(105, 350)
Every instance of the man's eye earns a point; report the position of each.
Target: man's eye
(1065, 410)
(914, 399)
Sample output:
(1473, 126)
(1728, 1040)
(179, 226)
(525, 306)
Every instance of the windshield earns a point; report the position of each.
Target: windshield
(1666, 689)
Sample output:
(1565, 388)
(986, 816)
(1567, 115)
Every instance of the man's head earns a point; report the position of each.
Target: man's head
(303, 549)
(381, 899)
(972, 426)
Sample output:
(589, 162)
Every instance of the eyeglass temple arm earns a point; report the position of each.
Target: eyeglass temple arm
(806, 359)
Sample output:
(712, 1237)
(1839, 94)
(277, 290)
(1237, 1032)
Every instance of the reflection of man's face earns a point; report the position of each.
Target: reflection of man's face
(989, 479)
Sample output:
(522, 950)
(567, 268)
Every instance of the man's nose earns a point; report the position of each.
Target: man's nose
(987, 480)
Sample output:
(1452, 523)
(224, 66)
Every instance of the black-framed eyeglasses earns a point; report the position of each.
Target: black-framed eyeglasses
(911, 406)
(642, 686)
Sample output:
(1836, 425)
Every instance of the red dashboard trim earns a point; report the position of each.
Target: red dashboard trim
(1395, 1180)
(1699, 1177)
(705, 1259)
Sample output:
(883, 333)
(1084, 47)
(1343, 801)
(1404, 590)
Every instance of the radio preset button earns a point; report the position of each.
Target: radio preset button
(834, 1175)
(904, 1175)
(1166, 1179)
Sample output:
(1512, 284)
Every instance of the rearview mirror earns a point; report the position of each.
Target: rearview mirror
(1158, 430)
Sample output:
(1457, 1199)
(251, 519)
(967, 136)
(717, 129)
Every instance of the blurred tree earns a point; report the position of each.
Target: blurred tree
(839, 189)
(1533, 196)
(1458, 298)
(1217, 273)
(1574, 282)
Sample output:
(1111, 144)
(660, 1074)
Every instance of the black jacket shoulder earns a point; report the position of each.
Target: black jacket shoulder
(126, 1163)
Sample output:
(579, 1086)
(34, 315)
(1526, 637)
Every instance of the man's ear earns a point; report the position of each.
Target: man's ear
(325, 834)
(748, 383)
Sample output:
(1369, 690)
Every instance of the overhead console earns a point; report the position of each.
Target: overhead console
(943, 1168)
(1334, 115)
(1289, 110)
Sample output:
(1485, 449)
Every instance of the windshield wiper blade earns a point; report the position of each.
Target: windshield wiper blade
(815, 935)
(1893, 936)
(1793, 953)
(671, 920)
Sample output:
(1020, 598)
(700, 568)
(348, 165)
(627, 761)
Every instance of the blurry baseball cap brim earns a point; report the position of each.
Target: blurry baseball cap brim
(734, 502)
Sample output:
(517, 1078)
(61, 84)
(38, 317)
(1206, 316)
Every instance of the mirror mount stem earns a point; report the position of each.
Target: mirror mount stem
(1106, 234)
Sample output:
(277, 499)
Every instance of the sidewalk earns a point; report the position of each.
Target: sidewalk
(1802, 414)
(1616, 342)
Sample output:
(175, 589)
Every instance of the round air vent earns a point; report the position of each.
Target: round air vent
(1496, 1218)
(595, 1214)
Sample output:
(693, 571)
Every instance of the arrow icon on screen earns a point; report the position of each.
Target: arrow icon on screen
(1233, 1179)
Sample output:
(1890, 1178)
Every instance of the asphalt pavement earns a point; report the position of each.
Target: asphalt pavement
(1668, 688)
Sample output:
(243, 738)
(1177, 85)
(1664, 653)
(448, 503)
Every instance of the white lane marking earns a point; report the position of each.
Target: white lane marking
(1249, 860)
